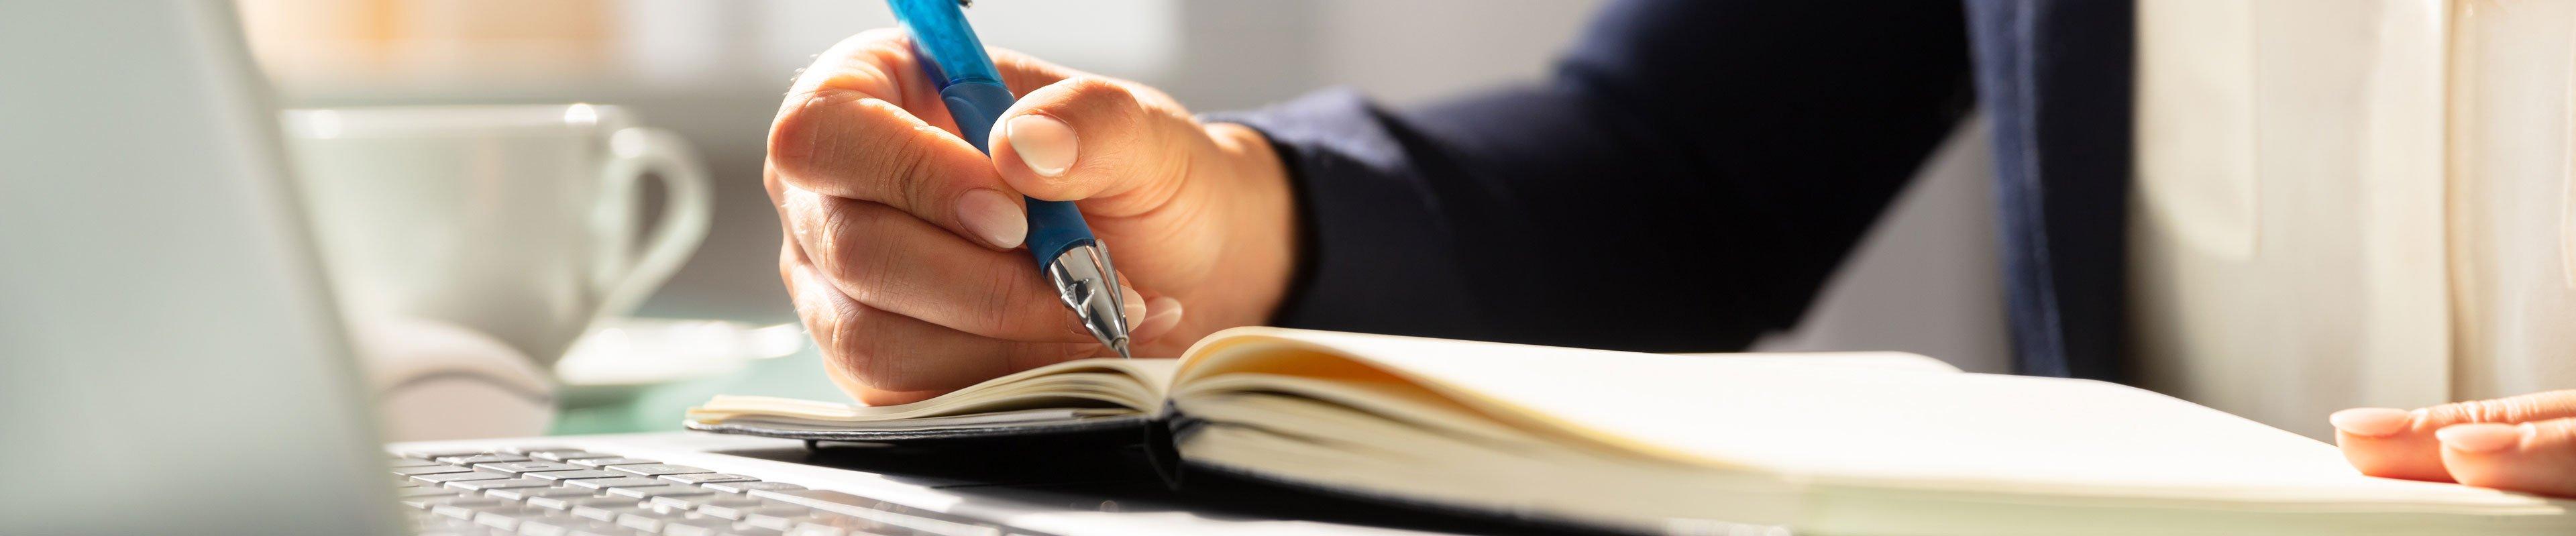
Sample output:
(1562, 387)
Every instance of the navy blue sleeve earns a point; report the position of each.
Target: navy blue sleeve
(1686, 179)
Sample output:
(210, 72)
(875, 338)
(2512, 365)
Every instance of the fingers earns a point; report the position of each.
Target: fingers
(2537, 457)
(862, 122)
(1120, 147)
(2406, 444)
(1166, 314)
(886, 259)
(848, 144)
(2386, 442)
(884, 358)
(899, 232)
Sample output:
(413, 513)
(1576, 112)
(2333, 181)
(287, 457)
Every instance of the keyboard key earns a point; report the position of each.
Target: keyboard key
(604, 513)
(791, 522)
(438, 453)
(407, 492)
(747, 487)
(507, 519)
(575, 475)
(834, 502)
(623, 481)
(525, 467)
(486, 485)
(694, 527)
(429, 470)
(568, 503)
(561, 455)
(464, 508)
(482, 458)
(702, 478)
(692, 502)
(562, 524)
(818, 529)
(523, 450)
(605, 462)
(666, 508)
(424, 502)
(399, 463)
(657, 469)
(646, 521)
(522, 494)
(648, 492)
(739, 509)
(740, 530)
(444, 478)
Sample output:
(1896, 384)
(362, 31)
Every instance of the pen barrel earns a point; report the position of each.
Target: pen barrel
(1054, 226)
(947, 46)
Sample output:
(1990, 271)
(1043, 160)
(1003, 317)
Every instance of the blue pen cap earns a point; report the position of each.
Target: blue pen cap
(948, 45)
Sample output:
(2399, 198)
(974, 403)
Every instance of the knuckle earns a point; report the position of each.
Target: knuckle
(2491, 410)
(855, 348)
(912, 176)
(1008, 295)
(857, 253)
(2502, 410)
(903, 167)
(834, 238)
(796, 135)
(1114, 99)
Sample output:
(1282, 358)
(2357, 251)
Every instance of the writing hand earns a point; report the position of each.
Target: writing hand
(900, 236)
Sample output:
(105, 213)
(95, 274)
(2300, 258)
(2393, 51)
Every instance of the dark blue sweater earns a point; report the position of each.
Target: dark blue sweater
(1696, 168)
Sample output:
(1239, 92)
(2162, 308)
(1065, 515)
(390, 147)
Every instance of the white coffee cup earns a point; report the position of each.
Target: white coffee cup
(517, 221)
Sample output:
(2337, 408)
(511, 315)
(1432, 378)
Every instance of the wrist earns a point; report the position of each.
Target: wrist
(1260, 257)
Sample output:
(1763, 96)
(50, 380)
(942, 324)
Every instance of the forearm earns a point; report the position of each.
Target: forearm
(1686, 182)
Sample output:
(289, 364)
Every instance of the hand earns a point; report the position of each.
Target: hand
(901, 249)
(2522, 443)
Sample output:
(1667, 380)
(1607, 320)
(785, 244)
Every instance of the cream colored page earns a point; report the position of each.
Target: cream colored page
(1856, 426)
(1860, 360)
(1094, 375)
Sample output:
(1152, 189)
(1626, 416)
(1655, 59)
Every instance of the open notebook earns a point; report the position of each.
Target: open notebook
(1663, 443)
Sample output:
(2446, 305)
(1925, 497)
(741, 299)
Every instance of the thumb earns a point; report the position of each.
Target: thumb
(1118, 147)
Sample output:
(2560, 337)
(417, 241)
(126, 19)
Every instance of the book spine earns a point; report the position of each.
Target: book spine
(1162, 437)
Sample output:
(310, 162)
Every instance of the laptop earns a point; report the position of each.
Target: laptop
(171, 361)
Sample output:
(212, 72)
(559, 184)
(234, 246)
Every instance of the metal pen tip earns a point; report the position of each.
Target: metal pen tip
(1084, 279)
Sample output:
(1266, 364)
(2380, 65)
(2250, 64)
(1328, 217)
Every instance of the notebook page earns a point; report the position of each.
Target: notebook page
(1863, 360)
(1854, 426)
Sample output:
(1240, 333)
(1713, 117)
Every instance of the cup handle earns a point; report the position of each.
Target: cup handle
(686, 212)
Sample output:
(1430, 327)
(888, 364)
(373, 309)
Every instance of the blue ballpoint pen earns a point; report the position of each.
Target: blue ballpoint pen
(1076, 263)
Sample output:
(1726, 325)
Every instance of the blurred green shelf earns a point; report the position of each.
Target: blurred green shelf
(659, 407)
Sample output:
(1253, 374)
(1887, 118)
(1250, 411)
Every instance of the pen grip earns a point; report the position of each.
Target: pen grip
(1054, 226)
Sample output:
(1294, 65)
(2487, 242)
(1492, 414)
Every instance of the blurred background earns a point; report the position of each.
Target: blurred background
(713, 73)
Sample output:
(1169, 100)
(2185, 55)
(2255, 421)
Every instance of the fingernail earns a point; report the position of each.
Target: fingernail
(2369, 422)
(1134, 305)
(2479, 437)
(1044, 143)
(993, 217)
(1166, 315)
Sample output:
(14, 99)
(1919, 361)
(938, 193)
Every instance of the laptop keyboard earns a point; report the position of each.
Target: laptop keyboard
(571, 492)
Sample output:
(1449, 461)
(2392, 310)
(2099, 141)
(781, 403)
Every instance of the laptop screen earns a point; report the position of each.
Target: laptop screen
(172, 361)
